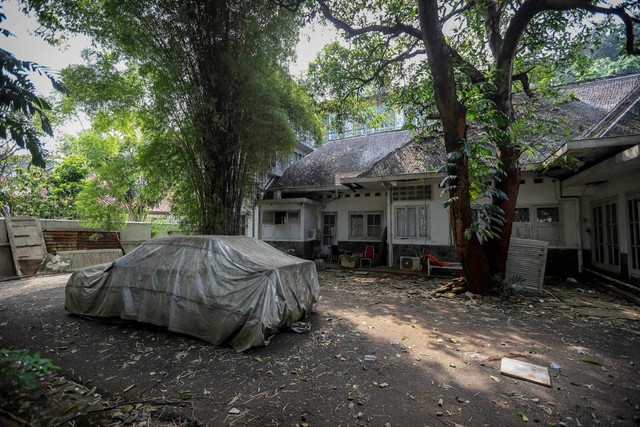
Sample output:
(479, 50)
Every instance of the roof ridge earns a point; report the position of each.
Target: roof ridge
(410, 141)
(616, 113)
(365, 135)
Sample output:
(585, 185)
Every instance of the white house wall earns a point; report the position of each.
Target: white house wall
(616, 190)
(344, 206)
(546, 193)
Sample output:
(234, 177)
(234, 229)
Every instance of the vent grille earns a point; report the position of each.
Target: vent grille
(528, 259)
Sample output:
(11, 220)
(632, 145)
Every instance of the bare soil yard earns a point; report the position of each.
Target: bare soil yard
(383, 350)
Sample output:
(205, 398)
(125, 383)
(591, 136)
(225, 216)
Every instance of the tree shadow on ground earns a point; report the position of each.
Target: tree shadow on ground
(435, 360)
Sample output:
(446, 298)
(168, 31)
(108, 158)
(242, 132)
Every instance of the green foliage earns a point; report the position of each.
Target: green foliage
(44, 193)
(507, 287)
(214, 110)
(24, 368)
(121, 187)
(20, 105)
(161, 227)
(607, 67)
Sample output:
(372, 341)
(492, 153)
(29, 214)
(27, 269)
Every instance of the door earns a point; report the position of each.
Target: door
(606, 247)
(329, 225)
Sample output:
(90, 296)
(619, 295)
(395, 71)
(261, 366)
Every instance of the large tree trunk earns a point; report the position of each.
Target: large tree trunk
(453, 115)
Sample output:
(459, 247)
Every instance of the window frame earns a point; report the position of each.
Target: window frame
(405, 208)
(366, 225)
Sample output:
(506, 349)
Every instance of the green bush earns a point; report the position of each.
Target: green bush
(24, 368)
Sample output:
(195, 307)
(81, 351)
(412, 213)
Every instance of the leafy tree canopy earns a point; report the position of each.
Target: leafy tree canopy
(19, 104)
(456, 62)
(220, 105)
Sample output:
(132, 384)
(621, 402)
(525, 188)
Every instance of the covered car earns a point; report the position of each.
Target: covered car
(233, 289)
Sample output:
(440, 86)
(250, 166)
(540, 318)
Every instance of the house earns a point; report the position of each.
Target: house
(349, 191)
(251, 213)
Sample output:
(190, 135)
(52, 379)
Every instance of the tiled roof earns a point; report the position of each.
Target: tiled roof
(344, 158)
(605, 107)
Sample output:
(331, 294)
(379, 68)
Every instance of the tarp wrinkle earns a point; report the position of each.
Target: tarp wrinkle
(233, 289)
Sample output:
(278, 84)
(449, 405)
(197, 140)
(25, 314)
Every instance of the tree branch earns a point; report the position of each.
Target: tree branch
(524, 79)
(457, 11)
(492, 26)
(397, 29)
(408, 54)
(628, 21)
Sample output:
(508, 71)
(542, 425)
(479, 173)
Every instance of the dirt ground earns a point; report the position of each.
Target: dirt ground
(436, 361)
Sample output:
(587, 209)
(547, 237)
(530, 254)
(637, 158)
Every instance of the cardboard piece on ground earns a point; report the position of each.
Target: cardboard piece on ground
(525, 371)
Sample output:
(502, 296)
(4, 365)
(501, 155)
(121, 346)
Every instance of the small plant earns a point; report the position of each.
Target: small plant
(95, 237)
(507, 287)
(25, 368)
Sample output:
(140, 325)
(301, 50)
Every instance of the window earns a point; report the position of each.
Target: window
(606, 248)
(548, 214)
(281, 217)
(521, 215)
(365, 225)
(280, 225)
(329, 228)
(268, 217)
(411, 222)
(538, 223)
(412, 192)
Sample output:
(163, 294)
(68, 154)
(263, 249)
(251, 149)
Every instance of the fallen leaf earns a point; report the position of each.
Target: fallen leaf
(70, 407)
(496, 379)
(126, 409)
(524, 417)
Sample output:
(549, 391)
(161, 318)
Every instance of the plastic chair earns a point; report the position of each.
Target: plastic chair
(369, 255)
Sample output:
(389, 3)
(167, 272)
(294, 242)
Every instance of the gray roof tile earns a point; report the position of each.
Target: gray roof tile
(606, 106)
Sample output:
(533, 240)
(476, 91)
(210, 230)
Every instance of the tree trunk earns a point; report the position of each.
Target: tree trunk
(453, 115)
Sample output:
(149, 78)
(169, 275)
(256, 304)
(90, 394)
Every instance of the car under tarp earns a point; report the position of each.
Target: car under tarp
(222, 289)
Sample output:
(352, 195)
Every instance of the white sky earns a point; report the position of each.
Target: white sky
(27, 46)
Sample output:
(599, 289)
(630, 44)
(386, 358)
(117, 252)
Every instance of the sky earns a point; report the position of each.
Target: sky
(27, 46)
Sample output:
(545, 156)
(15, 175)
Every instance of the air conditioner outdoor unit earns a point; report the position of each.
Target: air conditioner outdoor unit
(314, 233)
(410, 263)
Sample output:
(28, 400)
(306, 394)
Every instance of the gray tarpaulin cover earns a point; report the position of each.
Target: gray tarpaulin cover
(232, 289)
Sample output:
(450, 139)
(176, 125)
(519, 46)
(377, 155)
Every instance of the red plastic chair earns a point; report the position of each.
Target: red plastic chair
(369, 255)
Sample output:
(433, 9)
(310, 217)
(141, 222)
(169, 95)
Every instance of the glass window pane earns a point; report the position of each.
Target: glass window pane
(548, 214)
(401, 225)
(267, 217)
(411, 222)
(293, 218)
(422, 222)
(521, 215)
(281, 217)
(357, 225)
(374, 225)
